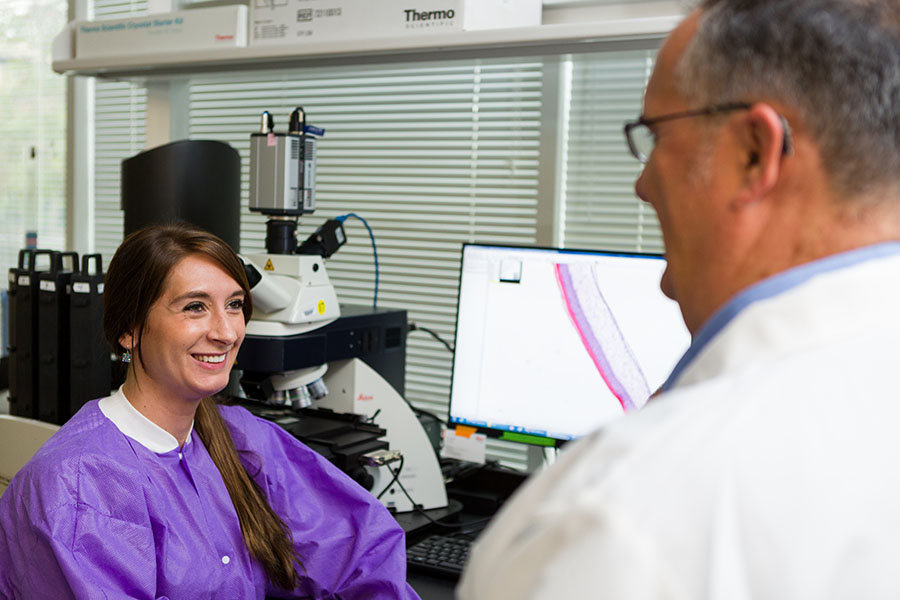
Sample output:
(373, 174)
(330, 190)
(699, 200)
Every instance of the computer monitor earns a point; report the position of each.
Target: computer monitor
(553, 343)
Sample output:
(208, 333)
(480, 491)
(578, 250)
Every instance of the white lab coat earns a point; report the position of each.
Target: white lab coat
(770, 470)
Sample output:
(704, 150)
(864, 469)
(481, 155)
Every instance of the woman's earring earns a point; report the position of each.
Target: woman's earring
(126, 357)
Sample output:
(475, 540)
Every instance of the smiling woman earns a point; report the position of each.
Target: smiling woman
(158, 492)
(190, 331)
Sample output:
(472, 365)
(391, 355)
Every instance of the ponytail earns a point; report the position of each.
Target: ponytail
(267, 537)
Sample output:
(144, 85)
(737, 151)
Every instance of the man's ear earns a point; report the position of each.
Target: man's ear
(763, 136)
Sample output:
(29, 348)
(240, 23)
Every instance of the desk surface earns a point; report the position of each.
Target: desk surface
(432, 588)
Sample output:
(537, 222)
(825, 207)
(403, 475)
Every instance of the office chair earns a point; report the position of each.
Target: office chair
(19, 440)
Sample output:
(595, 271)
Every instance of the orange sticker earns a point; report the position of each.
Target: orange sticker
(464, 431)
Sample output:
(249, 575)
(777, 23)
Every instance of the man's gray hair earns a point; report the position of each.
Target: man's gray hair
(836, 62)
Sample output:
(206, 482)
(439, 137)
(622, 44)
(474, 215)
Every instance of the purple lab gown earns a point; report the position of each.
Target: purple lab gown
(95, 514)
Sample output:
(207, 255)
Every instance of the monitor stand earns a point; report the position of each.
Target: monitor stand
(539, 458)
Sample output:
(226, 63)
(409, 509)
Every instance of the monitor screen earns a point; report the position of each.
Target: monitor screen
(552, 343)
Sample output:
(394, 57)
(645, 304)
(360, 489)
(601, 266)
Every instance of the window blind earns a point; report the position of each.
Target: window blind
(599, 208)
(119, 134)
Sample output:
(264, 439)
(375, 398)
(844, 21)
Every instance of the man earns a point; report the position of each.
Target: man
(768, 467)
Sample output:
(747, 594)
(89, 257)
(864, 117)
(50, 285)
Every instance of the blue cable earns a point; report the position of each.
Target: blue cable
(343, 218)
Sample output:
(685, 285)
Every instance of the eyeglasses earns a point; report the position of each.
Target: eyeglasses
(641, 138)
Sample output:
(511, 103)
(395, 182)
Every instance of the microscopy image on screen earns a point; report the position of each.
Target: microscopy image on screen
(581, 288)
(578, 340)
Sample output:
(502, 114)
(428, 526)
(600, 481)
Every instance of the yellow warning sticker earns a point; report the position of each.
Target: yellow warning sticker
(321, 307)
(269, 266)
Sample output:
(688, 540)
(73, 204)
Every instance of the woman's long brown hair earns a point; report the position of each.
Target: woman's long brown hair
(135, 279)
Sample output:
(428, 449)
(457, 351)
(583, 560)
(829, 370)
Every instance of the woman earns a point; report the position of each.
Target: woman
(157, 492)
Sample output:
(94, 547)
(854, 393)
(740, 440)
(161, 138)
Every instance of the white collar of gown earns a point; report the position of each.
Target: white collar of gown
(132, 423)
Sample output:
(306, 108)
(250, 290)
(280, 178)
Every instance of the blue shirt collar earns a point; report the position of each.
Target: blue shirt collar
(774, 286)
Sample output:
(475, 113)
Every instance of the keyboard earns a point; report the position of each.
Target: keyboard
(440, 555)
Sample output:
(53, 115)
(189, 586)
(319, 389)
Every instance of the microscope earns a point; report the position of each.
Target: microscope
(330, 375)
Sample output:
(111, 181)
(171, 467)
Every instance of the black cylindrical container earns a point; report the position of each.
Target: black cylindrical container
(197, 181)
